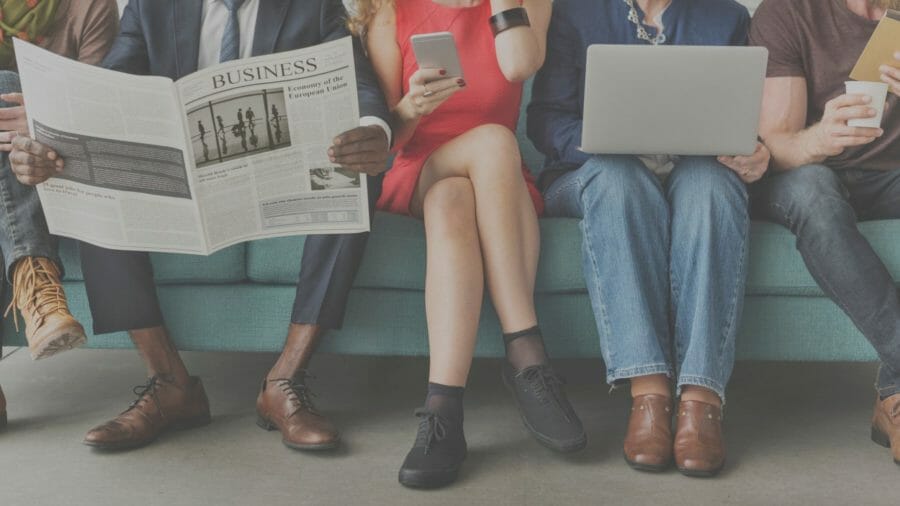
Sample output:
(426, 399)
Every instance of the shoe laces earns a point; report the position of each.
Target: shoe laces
(545, 384)
(297, 392)
(433, 428)
(36, 290)
(145, 391)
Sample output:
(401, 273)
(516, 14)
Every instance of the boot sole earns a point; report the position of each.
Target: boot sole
(882, 439)
(428, 480)
(192, 423)
(567, 447)
(68, 340)
(266, 425)
(696, 473)
(647, 468)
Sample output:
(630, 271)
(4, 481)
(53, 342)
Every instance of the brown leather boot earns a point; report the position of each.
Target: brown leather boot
(38, 295)
(886, 425)
(161, 405)
(699, 445)
(2, 410)
(286, 405)
(648, 442)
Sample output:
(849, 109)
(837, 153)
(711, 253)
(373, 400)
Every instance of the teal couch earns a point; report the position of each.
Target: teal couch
(240, 299)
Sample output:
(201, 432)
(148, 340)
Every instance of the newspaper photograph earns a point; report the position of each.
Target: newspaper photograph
(232, 153)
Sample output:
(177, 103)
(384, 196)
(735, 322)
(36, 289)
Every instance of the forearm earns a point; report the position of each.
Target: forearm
(792, 149)
(520, 53)
(404, 121)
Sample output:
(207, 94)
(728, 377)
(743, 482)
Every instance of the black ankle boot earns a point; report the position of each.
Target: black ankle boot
(545, 409)
(437, 455)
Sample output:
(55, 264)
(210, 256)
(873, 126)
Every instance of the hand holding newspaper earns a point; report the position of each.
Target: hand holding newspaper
(231, 153)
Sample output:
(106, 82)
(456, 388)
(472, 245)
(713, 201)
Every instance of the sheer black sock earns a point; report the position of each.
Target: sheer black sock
(525, 348)
(446, 401)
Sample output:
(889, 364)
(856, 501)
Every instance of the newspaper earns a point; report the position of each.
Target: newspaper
(231, 153)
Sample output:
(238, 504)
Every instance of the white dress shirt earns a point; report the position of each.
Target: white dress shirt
(215, 18)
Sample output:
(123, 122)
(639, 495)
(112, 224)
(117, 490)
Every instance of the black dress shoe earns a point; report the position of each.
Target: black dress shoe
(545, 409)
(437, 455)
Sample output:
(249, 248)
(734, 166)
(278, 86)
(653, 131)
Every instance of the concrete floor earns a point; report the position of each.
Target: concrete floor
(797, 434)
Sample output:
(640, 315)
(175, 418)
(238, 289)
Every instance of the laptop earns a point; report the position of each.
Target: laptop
(673, 100)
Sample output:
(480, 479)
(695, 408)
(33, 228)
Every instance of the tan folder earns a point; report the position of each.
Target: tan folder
(880, 49)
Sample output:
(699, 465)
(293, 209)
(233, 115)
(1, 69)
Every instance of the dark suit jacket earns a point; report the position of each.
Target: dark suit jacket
(162, 38)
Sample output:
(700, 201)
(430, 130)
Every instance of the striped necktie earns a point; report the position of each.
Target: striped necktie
(231, 40)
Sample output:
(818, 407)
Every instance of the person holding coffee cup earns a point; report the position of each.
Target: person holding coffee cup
(836, 153)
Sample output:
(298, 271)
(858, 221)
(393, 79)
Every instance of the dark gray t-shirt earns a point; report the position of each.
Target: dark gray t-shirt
(820, 40)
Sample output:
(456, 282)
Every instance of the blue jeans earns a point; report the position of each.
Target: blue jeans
(822, 208)
(665, 264)
(23, 228)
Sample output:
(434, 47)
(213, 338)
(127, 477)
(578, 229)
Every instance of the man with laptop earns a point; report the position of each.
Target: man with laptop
(828, 174)
(664, 237)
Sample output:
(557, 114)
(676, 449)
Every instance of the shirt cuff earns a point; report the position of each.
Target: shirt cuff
(375, 120)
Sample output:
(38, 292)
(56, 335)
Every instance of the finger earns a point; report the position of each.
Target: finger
(889, 71)
(365, 146)
(438, 98)
(848, 101)
(358, 134)
(12, 113)
(441, 85)
(13, 98)
(854, 112)
(850, 141)
(31, 180)
(425, 75)
(849, 131)
(358, 159)
(7, 137)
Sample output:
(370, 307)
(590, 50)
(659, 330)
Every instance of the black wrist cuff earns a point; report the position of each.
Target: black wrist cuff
(509, 18)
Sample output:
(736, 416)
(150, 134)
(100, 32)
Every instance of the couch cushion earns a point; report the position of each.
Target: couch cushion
(395, 257)
(226, 266)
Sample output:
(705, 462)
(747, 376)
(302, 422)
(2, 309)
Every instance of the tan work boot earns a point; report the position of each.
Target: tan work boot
(38, 295)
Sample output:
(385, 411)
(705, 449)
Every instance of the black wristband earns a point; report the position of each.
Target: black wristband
(509, 18)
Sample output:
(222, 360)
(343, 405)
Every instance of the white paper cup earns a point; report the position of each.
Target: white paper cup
(878, 92)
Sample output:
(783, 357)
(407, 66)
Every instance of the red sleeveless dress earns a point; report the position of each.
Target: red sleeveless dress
(487, 98)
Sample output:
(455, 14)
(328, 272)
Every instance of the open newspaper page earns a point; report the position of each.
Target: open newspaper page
(126, 183)
(259, 133)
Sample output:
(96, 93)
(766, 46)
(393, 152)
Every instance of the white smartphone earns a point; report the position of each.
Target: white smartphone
(437, 51)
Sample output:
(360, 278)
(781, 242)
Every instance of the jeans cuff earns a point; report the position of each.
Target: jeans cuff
(612, 376)
(700, 381)
(21, 252)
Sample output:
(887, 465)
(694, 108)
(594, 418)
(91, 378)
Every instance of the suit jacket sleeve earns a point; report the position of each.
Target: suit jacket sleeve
(555, 112)
(371, 98)
(129, 50)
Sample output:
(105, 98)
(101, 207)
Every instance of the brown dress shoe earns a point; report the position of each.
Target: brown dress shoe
(648, 442)
(2, 410)
(286, 405)
(161, 405)
(38, 295)
(699, 445)
(886, 425)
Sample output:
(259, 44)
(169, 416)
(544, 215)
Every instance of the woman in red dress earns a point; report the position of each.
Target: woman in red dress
(458, 168)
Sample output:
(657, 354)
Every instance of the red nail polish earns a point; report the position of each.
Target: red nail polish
(443, 72)
(461, 83)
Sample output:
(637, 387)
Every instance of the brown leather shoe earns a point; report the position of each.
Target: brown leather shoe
(286, 405)
(2, 410)
(161, 405)
(38, 295)
(648, 442)
(699, 445)
(886, 425)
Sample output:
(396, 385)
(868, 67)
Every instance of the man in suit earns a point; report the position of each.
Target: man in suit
(174, 38)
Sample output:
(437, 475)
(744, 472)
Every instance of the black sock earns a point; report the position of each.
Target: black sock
(446, 401)
(525, 348)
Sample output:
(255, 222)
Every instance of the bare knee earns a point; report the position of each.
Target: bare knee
(494, 153)
(450, 207)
